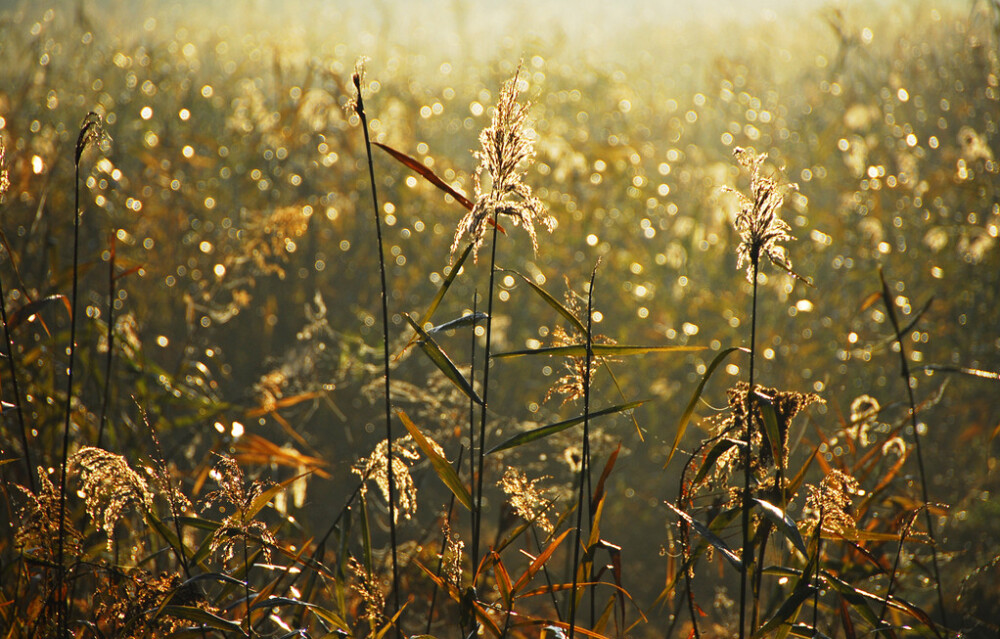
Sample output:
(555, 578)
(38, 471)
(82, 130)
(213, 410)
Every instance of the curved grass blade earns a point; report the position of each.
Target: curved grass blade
(784, 523)
(686, 416)
(788, 609)
(203, 617)
(972, 372)
(545, 431)
(540, 561)
(468, 319)
(417, 167)
(608, 467)
(441, 466)
(265, 498)
(168, 535)
(858, 599)
(553, 302)
(445, 285)
(579, 326)
(324, 614)
(599, 350)
(709, 536)
(442, 361)
(766, 405)
(807, 632)
(30, 309)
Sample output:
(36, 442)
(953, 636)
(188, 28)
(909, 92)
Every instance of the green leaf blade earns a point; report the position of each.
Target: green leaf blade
(442, 361)
(551, 429)
(444, 470)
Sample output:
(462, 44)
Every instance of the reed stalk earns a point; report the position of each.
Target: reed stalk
(360, 109)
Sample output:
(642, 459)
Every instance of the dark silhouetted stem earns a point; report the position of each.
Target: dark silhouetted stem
(385, 357)
(111, 345)
(61, 607)
(895, 565)
(585, 456)
(819, 554)
(477, 527)
(473, 458)
(747, 441)
(17, 391)
(246, 585)
(908, 379)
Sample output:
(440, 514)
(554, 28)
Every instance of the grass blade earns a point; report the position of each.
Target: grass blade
(551, 429)
(418, 167)
(788, 609)
(540, 561)
(553, 302)
(30, 309)
(441, 466)
(709, 536)
(686, 416)
(599, 350)
(722, 446)
(204, 618)
(771, 430)
(442, 361)
(784, 523)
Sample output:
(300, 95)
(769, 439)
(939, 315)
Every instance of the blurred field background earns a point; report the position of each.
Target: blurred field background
(233, 201)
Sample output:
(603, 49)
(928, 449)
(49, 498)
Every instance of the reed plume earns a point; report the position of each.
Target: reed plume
(761, 231)
(508, 148)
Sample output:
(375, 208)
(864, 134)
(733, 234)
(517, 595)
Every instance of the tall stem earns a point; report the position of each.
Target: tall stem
(111, 344)
(246, 585)
(908, 379)
(17, 391)
(477, 528)
(747, 440)
(61, 606)
(585, 456)
(385, 356)
(473, 458)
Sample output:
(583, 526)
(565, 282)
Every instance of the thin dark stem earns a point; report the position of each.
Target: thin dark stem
(165, 478)
(472, 426)
(17, 391)
(819, 555)
(895, 566)
(111, 345)
(908, 380)
(246, 585)
(548, 577)
(477, 528)
(385, 355)
(685, 540)
(61, 606)
(585, 456)
(747, 440)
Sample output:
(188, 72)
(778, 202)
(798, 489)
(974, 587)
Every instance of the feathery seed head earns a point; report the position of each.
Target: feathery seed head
(761, 230)
(507, 149)
(375, 468)
(241, 496)
(527, 500)
(109, 486)
(92, 132)
(830, 503)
